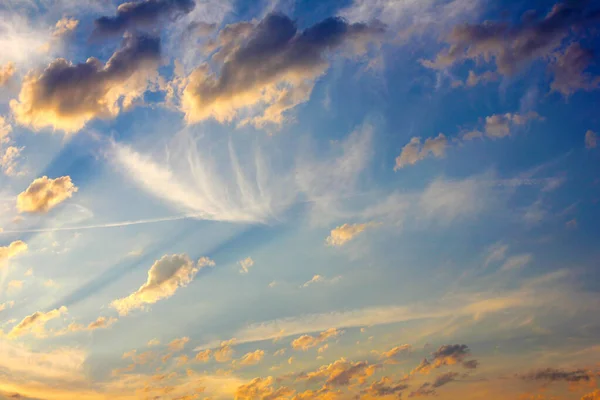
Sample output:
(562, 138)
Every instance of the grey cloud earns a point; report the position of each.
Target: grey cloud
(444, 379)
(140, 14)
(569, 70)
(555, 375)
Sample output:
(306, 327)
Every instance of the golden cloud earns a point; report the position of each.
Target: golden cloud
(164, 278)
(44, 194)
(12, 250)
(35, 323)
(6, 72)
(345, 233)
(305, 342)
(252, 358)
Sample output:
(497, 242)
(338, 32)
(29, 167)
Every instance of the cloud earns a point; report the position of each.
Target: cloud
(341, 373)
(12, 250)
(44, 194)
(252, 358)
(178, 344)
(321, 279)
(225, 351)
(444, 201)
(305, 342)
(35, 323)
(65, 26)
(595, 395)
(345, 233)
(6, 72)
(414, 151)
(516, 262)
(450, 354)
(500, 125)
(261, 389)
(267, 69)
(245, 264)
(164, 278)
(5, 130)
(556, 375)
(513, 45)
(142, 14)
(10, 159)
(396, 352)
(444, 379)
(569, 69)
(591, 140)
(65, 96)
(385, 387)
(99, 323)
(203, 355)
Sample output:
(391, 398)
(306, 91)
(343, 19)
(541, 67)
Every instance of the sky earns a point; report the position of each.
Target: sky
(299, 199)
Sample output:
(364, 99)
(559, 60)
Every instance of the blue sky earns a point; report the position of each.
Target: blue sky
(372, 199)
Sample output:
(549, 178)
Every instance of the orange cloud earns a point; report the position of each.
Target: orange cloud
(44, 194)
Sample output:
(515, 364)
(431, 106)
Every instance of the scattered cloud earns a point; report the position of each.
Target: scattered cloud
(268, 68)
(446, 355)
(501, 125)
(12, 250)
(252, 358)
(305, 342)
(44, 194)
(414, 151)
(142, 14)
(245, 264)
(556, 375)
(65, 26)
(569, 70)
(164, 278)
(341, 373)
(345, 233)
(35, 323)
(65, 96)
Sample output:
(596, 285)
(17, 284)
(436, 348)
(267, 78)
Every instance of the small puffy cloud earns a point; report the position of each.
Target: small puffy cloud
(516, 262)
(8, 304)
(10, 159)
(245, 264)
(99, 323)
(266, 69)
(252, 358)
(178, 344)
(261, 389)
(12, 250)
(591, 139)
(5, 130)
(64, 26)
(66, 96)
(142, 14)
(164, 278)
(341, 373)
(225, 351)
(153, 342)
(500, 125)
(414, 151)
(6, 72)
(203, 355)
(385, 387)
(35, 323)
(305, 342)
(345, 233)
(396, 352)
(556, 375)
(569, 69)
(44, 194)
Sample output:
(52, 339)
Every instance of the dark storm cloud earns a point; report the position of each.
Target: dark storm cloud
(144, 13)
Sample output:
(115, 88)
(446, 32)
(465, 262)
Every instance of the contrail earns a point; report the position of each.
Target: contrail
(108, 225)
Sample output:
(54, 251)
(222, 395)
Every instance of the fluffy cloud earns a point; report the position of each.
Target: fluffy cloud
(64, 26)
(142, 14)
(66, 96)
(414, 151)
(225, 351)
(44, 194)
(99, 323)
(569, 69)
(203, 355)
(35, 323)
(164, 278)
(9, 160)
(499, 125)
(178, 344)
(446, 355)
(12, 250)
(305, 342)
(591, 139)
(345, 233)
(267, 69)
(341, 373)
(252, 358)
(261, 389)
(5, 130)
(6, 72)
(245, 264)
(385, 387)
(396, 352)
(535, 36)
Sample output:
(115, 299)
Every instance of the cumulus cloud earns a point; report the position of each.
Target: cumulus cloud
(252, 358)
(66, 96)
(305, 342)
(345, 233)
(225, 351)
(9, 161)
(261, 389)
(245, 265)
(64, 26)
(203, 355)
(5, 130)
(386, 387)
(165, 277)
(514, 45)
(267, 69)
(142, 14)
(450, 354)
(500, 125)
(35, 323)
(396, 352)
(591, 139)
(44, 194)
(341, 373)
(178, 344)
(570, 71)
(99, 323)
(414, 151)
(12, 250)
(6, 72)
